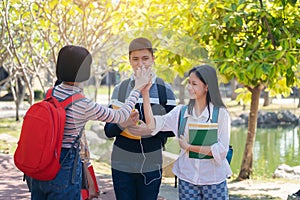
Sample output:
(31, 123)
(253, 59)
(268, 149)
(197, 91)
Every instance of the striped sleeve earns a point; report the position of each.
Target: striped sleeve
(96, 111)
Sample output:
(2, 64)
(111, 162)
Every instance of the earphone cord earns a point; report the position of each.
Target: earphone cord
(141, 113)
(141, 171)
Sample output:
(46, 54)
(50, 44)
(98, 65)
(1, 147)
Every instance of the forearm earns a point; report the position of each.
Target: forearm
(206, 150)
(148, 111)
(112, 130)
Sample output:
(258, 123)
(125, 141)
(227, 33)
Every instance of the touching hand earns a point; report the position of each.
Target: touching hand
(140, 129)
(132, 120)
(184, 143)
(135, 115)
(142, 77)
(146, 89)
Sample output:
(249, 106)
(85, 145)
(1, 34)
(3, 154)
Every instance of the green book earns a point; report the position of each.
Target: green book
(202, 135)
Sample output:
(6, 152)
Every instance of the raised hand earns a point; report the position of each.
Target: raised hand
(140, 129)
(146, 89)
(142, 78)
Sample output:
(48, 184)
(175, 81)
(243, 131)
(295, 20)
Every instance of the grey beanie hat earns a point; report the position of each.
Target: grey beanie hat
(73, 64)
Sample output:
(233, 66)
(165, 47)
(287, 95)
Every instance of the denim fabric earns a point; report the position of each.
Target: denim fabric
(136, 186)
(61, 187)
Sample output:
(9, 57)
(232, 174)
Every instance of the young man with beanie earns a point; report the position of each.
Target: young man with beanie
(137, 162)
(73, 67)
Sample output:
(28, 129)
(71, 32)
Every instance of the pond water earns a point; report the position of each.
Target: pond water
(272, 147)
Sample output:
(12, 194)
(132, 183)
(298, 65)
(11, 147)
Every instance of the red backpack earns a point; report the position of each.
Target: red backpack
(40, 142)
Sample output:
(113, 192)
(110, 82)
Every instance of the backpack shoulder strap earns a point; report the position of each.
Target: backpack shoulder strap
(68, 101)
(182, 121)
(71, 99)
(162, 93)
(49, 93)
(123, 89)
(215, 114)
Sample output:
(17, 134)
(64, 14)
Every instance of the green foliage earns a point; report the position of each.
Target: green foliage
(253, 43)
(256, 44)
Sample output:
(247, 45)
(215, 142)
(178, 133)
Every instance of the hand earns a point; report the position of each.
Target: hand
(132, 120)
(142, 77)
(146, 89)
(92, 191)
(135, 115)
(140, 129)
(183, 143)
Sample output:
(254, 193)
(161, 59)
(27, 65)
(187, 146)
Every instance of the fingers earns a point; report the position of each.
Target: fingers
(134, 115)
(143, 77)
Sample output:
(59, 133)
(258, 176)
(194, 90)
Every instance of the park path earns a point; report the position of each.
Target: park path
(13, 187)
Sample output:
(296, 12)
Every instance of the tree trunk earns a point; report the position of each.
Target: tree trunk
(97, 85)
(298, 97)
(246, 167)
(233, 84)
(267, 99)
(181, 91)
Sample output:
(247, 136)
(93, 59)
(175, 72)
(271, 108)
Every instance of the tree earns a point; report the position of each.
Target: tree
(33, 32)
(256, 44)
(16, 37)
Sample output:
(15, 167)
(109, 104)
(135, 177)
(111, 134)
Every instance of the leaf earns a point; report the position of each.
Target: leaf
(239, 90)
(266, 68)
(239, 20)
(229, 53)
(279, 55)
(285, 45)
(178, 59)
(291, 60)
(233, 6)
(259, 71)
(292, 2)
(290, 77)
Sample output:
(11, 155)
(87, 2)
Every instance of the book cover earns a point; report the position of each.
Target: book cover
(202, 135)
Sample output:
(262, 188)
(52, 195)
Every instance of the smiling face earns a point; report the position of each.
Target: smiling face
(141, 58)
(196, 88)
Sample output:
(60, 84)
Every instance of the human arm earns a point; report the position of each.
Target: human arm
(183, 143)
(123, 113)
(219, 150)
(113, 129)
(149, 118)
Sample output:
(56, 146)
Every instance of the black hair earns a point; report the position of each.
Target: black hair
(192, 101)
(73, 64)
